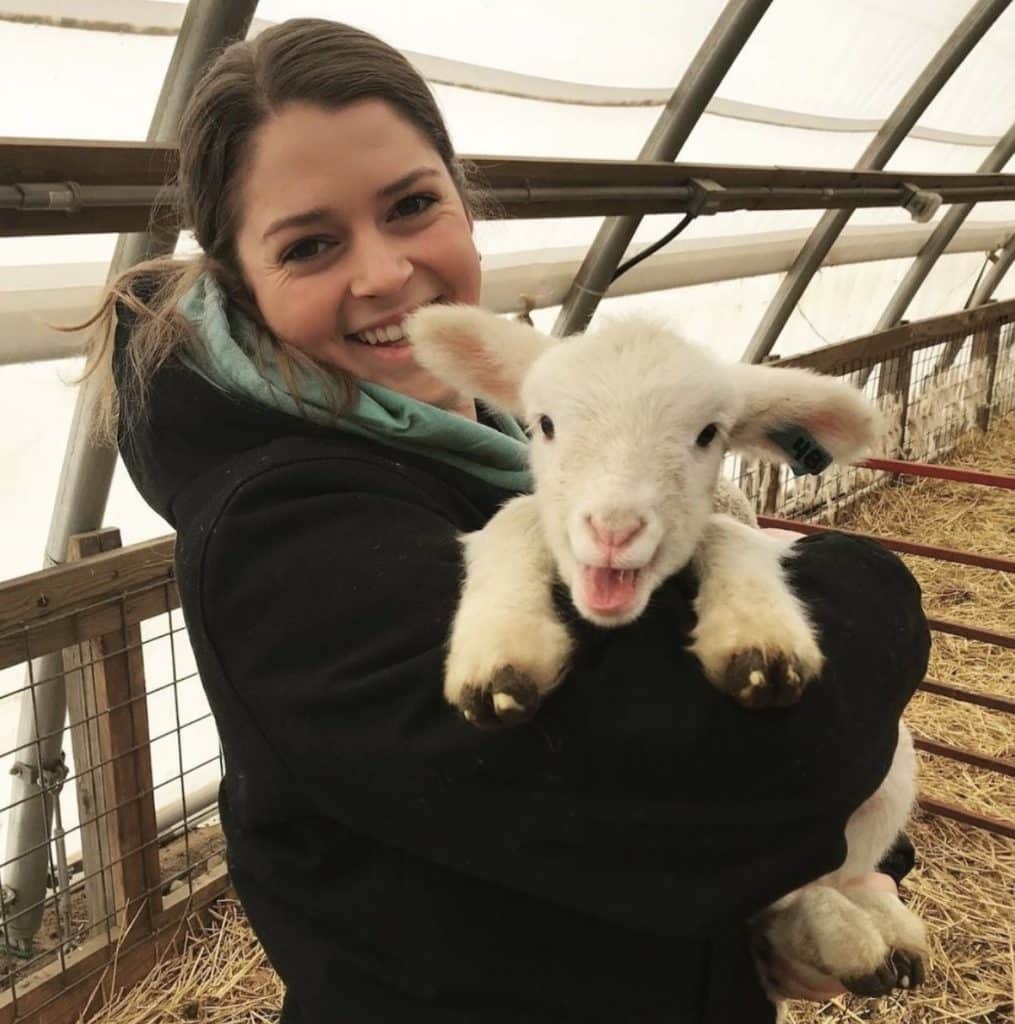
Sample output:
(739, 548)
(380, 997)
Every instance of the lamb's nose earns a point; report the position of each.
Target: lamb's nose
(615, 531)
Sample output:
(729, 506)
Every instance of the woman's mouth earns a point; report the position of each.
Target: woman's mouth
(390, 336)
(393, 335)
(386, 345)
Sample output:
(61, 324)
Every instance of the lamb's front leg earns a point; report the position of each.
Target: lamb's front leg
(508, 649)
(753, 636)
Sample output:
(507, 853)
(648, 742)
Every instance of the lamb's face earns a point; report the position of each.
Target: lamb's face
(628, 429)
(629, 424)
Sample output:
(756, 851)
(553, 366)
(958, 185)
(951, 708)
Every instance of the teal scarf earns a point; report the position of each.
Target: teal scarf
(239, 361)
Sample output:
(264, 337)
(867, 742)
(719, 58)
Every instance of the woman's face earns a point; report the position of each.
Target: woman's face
(349, 221)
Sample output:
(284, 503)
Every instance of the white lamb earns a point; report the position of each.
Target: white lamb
(629, 424)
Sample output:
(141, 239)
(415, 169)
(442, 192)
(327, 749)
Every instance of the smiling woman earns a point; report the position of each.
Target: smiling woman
(603, 863)
(349, 222)
(317, 175)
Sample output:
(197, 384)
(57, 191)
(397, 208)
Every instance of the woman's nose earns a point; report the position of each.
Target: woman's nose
(379, 267)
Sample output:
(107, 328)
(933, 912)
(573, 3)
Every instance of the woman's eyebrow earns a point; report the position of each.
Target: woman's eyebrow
(408, 179)
(295, 220)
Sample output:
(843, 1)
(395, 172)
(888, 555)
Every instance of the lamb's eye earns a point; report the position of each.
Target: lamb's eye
(546, 426)
(705, 437)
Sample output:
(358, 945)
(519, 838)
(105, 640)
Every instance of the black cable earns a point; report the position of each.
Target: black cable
(979, 276)
(654, 247)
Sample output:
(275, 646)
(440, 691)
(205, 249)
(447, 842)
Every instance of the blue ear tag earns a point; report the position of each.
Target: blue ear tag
(805, 455)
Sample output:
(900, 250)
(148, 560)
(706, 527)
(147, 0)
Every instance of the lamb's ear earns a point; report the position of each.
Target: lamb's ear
(793, 415)
(478, 353)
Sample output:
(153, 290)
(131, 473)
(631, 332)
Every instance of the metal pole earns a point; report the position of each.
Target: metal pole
(981, 294)
(938, 241)
(990, 281)
(81, 499)
(934, 76)
(732, 29)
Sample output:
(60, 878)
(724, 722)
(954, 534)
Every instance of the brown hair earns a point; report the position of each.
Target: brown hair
(302, 60)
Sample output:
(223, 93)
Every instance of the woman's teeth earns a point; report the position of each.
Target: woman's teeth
(381, 335)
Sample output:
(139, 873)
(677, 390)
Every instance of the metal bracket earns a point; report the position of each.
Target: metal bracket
(704, 196)
(919, 203)
(55, 195)
(50, 779)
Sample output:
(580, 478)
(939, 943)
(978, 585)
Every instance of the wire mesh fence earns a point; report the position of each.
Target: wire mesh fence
(934, 382)
(110, 823)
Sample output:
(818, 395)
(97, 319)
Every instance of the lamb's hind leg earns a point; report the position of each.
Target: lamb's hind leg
(846, 926)
(508, 649)
(870, 834)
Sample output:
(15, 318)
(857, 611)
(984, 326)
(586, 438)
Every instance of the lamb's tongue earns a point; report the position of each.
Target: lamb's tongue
(607, 590)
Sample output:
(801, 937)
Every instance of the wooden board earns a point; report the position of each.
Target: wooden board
(871, 348)
(56, 608)
(83, 725)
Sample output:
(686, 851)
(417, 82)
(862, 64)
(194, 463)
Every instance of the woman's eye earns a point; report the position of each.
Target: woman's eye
(546, 426)
(412, 206)
(706, 436)
(305, 249)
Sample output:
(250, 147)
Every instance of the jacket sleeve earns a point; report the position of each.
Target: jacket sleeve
(638, 794)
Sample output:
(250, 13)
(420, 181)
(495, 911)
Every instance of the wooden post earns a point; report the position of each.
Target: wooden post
(986, 347)
(122, 735)
(896, 374)
(82, 714)
(770, 486)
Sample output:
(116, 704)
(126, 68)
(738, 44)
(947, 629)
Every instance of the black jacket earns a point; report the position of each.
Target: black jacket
(596, 865)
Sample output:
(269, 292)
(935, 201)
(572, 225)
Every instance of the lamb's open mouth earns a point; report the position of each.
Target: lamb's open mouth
(609, 591)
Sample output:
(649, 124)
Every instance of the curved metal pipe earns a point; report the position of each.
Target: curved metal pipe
(938, 241)
(982, 293)
(992, 279)
(714, 58)
(930, 82)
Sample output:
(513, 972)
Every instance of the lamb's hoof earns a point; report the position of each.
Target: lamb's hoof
(900, 970)
(511, 698)
(909, 970)
(879, 982)
(759, 682)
